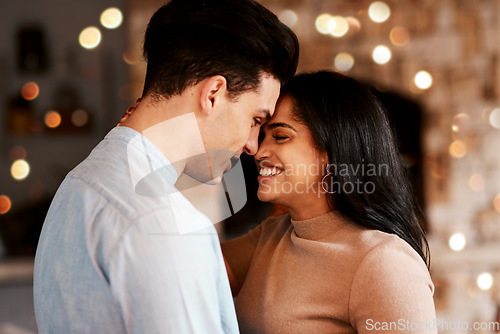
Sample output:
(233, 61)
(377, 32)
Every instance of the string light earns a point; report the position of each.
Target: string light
(5, 204)
(30, 91)
(484, 281)
(495, 118)
(325, 24)
(496, 203)
(423, 80)
(379, 11)
(52, 119)
(458, 149)
(111, 18)
(381, 54)
(354, 24)
(20, 169)
(288, 17)
(90, 37)
(399, 36)
(343, 62)
(341, 26)
(476, 182)
(457, 242)
(79, 117)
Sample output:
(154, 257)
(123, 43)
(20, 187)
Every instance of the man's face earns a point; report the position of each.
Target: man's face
(234, 129)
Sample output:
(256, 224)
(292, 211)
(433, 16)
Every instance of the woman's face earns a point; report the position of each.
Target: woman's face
(290, 167)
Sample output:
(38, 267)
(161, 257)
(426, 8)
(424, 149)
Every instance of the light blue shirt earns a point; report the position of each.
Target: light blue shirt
(115, 257)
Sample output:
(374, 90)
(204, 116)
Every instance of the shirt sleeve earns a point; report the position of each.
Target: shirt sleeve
(169, 283)
(392, 292)
(238, 254)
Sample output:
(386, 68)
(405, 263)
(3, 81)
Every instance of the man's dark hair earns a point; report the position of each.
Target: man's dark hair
(188, 41)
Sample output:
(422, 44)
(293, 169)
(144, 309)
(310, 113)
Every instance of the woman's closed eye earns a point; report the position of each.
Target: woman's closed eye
(281, 137)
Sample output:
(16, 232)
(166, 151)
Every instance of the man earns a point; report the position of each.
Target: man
(121, 249)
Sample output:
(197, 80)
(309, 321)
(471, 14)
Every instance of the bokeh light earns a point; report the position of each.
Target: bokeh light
(52, 119)
(20, 169)
(354, 24)
(288, 17)
(495, 118)
(90, 37)
(458, 149)
(30, 91)
(423, 80)
(379, 11)
(484, 281)
(459, 122)
(111, 18)
(381, 54)
(399, 36)
(17, 152)
(130, 59)
(341, 27)
(79, 117)
(457, 242)
(325, 24)
(476, 182)
(343, 61)
(5, 204)
(496, 203)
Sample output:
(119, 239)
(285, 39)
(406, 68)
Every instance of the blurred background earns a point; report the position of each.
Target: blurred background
(69, 69)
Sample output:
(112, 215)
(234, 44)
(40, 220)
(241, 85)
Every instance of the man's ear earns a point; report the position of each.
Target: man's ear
(213, 92)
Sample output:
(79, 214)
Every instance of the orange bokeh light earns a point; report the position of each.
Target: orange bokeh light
(476, 182)
(458, 149)
(52, 119)
(496, 203)
(399, 36)
(30, 91)
(5, 204)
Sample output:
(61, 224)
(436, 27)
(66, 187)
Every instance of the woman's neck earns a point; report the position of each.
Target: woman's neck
(306, 211)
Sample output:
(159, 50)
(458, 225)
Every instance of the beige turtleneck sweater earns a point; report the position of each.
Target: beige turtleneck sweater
(325, 275)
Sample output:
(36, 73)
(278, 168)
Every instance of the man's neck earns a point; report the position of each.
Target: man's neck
(171, 126)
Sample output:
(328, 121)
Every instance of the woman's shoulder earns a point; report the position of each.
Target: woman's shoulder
(386, 253)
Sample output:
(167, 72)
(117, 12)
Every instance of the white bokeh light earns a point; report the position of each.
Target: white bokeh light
(20, 169)
(90, 37)
(381, 54)
(379, 11)
(485, 281)
(111, 18)
(288, 17)
(325, 24)
(423, 80)
(343, 62)
(495, 118)
(457, 242)
(341, 26)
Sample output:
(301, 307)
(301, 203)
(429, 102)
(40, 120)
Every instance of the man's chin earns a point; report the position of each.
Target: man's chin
(206, 179)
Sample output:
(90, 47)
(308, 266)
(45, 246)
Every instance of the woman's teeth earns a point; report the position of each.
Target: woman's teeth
(269, 171)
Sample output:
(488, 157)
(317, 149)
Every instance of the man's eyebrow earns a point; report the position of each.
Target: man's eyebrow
(279, 125)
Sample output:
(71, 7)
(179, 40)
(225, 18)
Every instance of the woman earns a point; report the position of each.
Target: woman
(350, 255)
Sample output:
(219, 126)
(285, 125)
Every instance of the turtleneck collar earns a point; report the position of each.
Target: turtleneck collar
(318, 227)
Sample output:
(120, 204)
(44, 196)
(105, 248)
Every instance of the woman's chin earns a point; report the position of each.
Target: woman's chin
(266, 196)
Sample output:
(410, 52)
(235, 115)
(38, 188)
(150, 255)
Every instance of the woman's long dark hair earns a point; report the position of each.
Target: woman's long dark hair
(349, 123)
